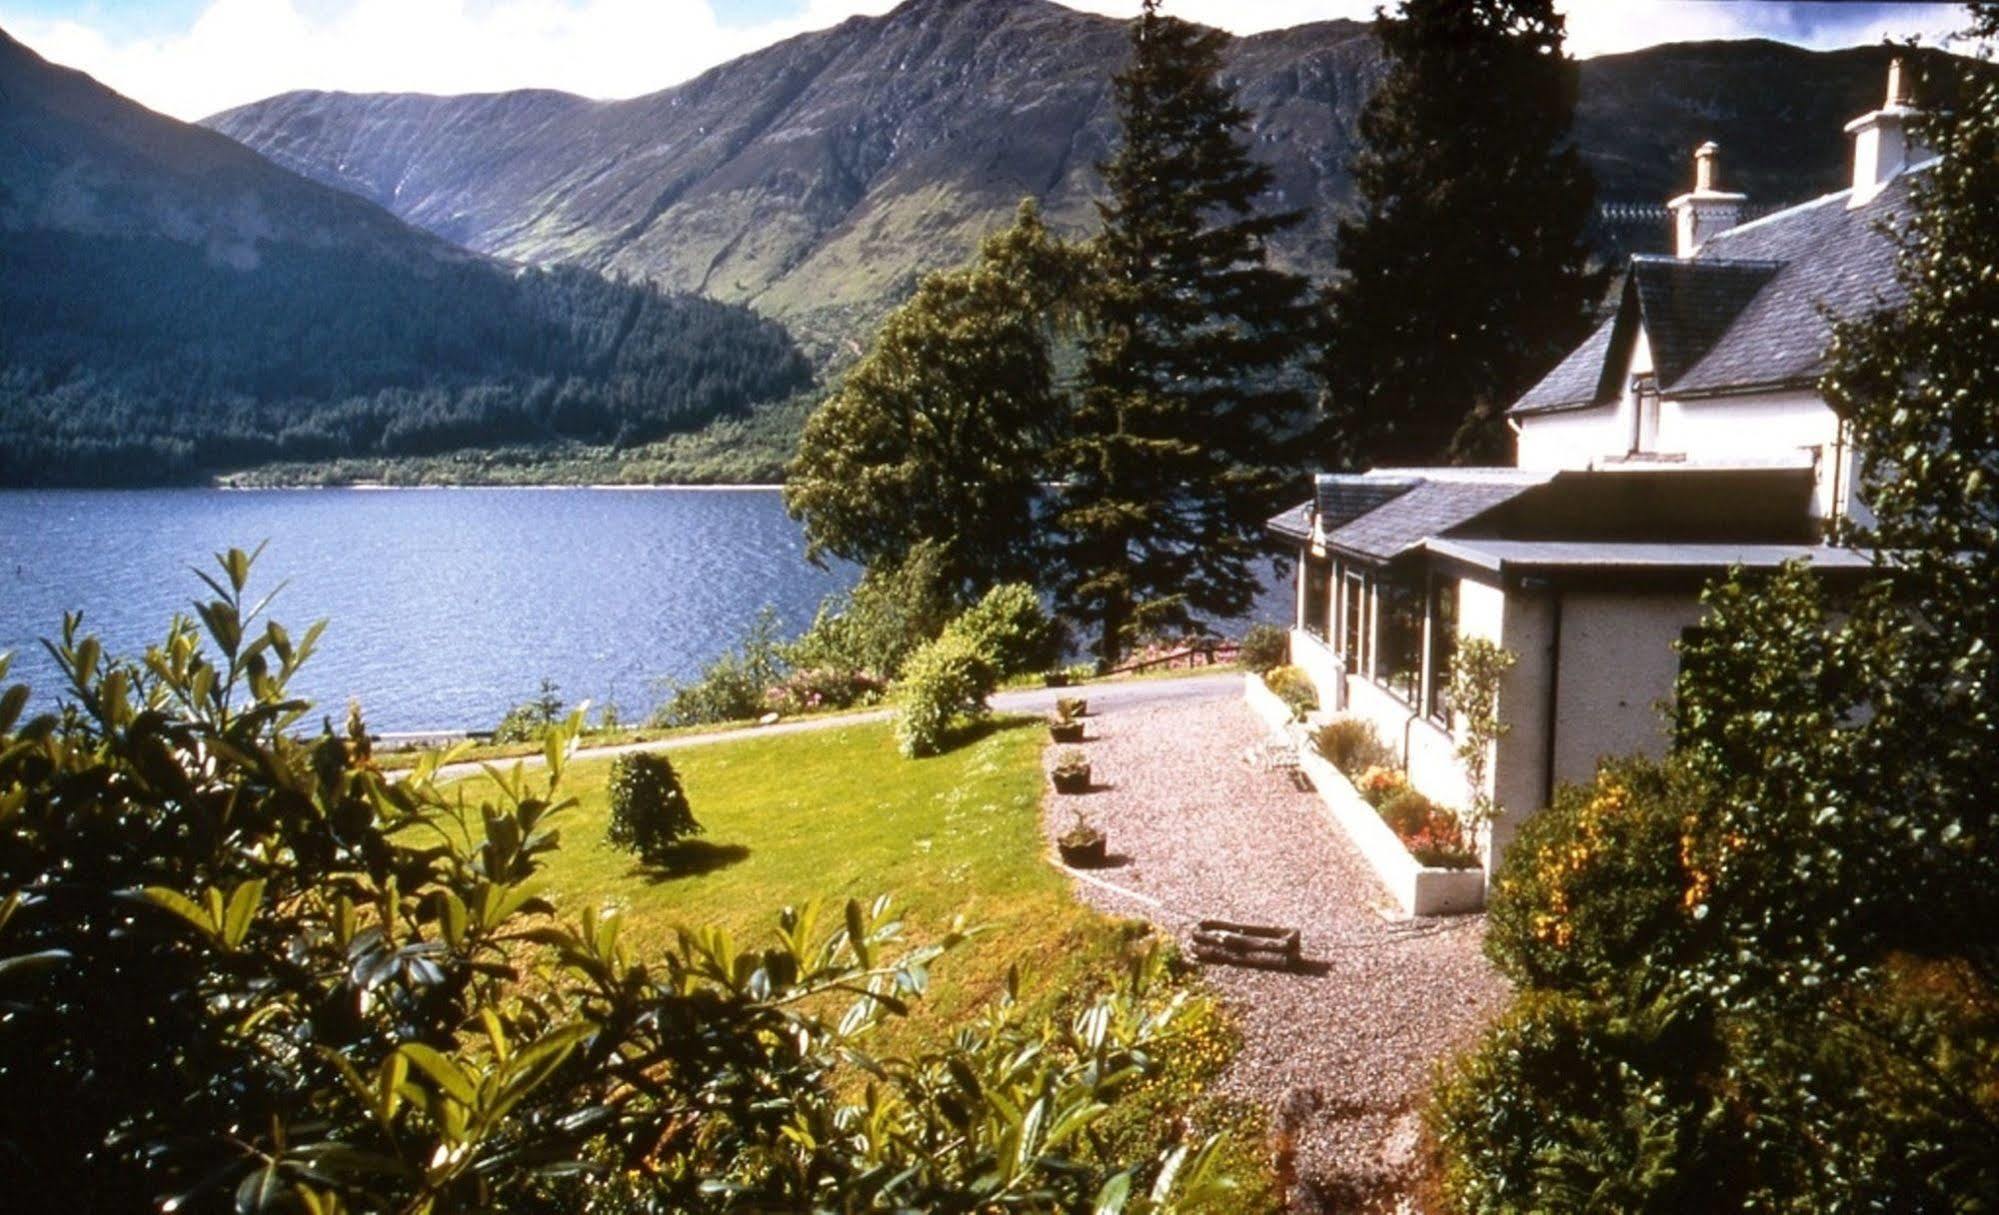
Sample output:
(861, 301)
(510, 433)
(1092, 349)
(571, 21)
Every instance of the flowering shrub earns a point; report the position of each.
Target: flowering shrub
(1432, 834)
(810, 690)
(1599, 890)
(1294, 688)
(1380, 783)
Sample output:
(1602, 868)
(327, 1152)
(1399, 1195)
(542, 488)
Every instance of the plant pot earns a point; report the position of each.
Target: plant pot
(1086, 855)
(1066, 731)
(1072, 781)
(1055, 679)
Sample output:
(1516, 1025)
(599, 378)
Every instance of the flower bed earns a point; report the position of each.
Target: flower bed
(1420, 889)
(1419, 858)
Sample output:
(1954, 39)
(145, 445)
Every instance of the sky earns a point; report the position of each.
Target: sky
(192, 58)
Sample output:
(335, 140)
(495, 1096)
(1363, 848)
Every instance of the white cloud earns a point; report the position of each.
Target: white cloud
(241, 50)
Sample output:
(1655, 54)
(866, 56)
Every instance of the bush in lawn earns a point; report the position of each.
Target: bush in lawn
(1294, 688)
(1263, 647)
(1593, 894)
(943, 682)
(649, 810)
(1353, 745)
(1012, 629)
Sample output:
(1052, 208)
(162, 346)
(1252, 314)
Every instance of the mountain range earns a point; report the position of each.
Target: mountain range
(816, 179)
(172, 303)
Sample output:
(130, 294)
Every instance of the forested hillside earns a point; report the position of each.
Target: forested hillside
(171, 304)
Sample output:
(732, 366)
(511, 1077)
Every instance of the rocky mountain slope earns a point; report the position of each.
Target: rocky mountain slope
(171, 303)
(816, 178)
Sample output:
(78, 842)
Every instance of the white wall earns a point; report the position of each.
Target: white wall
(1617, 673)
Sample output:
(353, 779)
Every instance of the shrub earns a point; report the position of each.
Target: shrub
(811, 689)
(649, 810)
(1013, 631)
(1380, 783)
(1569, 1105)
(1264, 646)
(1294, 688)
(1406, 811)
(244, 968)
(735, 686)
(946, 680)
(1432, 834)
(1593, 893)
(531, 719)
(874, 628)
(1352, 745)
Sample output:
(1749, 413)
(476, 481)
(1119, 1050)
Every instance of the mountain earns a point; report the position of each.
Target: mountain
(815, 179)
(172, 303)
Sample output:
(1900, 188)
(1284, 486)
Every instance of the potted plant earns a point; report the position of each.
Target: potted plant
(1073, 706)
(1065, 729)
(1072, 772)
(1082, 846)
(1057, 678)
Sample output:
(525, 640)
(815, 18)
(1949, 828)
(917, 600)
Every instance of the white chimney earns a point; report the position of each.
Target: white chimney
(1881, 144)
(1707, 209)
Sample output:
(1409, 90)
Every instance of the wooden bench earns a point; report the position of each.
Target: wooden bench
(1246, 944)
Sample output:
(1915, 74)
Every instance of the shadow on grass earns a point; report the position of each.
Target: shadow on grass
(691, 858)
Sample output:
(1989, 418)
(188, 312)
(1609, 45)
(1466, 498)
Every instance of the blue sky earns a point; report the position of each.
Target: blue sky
(190, 58)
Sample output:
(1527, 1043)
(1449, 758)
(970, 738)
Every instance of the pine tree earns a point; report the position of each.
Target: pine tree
(1463, 276)
(1180, 434)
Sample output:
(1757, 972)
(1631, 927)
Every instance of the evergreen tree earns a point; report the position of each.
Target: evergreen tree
(1181, 429)
(1463, 275)
(939, 433)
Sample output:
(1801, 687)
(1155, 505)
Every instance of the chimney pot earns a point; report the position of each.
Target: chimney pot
(1705, 166)
(1706, 209)
(1882, 147)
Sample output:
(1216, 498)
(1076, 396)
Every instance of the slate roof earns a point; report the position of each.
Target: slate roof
(1293, 524)
(1745, 312)
(1341, 498)
(1430, 507)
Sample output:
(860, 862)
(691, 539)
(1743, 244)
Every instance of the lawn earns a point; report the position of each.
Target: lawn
(837, 814)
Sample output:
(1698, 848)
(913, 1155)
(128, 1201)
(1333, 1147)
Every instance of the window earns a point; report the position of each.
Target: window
(1318, 598)
(1398, 637)
(1644, 414)
(1443, 645)
(1356, 623)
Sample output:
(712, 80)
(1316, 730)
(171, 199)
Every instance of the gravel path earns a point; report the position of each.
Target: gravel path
(1342, 1052)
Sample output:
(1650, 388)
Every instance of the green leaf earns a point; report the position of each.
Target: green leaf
(182, 906)
(1113, 1195)
(443, 1071)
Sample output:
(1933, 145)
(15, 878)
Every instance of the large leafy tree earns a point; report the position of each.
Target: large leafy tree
(939, 433)
(1462, 275)
(242, 968)
(1180, 433)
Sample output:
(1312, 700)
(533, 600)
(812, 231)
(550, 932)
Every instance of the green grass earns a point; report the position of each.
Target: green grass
(838, 813)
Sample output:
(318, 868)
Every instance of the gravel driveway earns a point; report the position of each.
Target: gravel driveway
(1342, 1052)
